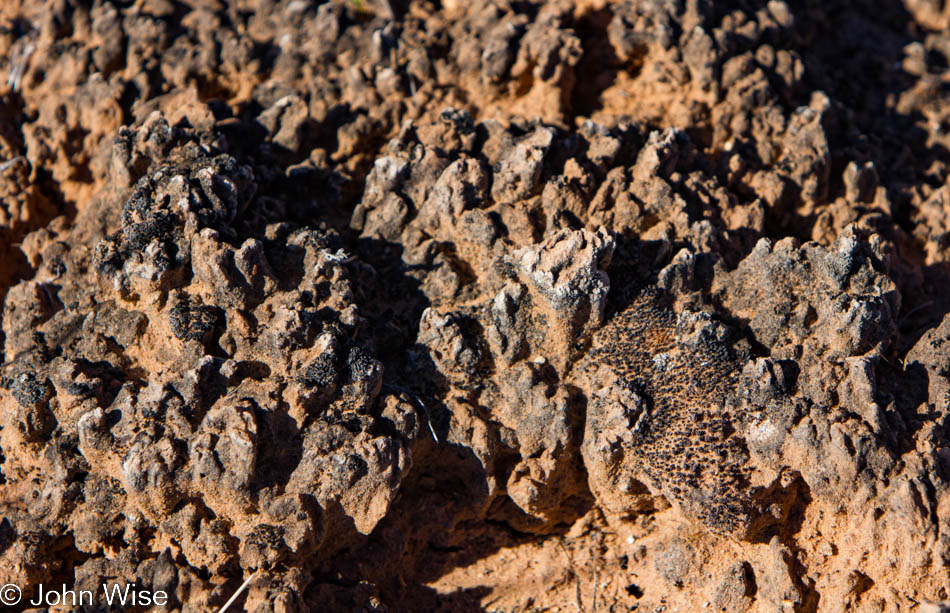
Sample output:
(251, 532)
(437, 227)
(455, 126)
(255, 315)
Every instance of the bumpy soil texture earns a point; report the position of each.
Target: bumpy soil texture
(477, 306)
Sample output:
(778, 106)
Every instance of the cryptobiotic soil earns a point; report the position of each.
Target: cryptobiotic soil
(477, 306)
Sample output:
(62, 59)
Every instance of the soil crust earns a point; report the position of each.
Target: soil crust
(477, 306)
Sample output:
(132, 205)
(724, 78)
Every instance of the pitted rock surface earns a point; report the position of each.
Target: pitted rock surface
(477, 306)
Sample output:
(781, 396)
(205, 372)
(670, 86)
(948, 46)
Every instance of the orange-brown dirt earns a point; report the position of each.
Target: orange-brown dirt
(499, 306)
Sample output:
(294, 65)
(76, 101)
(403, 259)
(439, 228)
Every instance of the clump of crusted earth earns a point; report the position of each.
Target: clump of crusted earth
(479, 306)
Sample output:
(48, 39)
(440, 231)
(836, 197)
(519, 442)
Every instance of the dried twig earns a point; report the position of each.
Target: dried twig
(577, 579)
(238, 592)
(11, 162)
(593, 602)
(419, 405)
(18, 62)
(913, 311)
